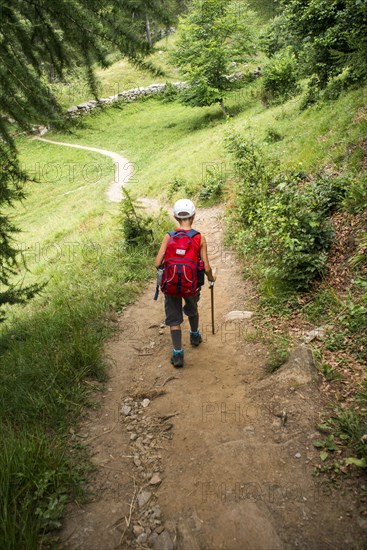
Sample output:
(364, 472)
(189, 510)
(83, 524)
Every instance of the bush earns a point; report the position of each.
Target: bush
(139, 229)
(273, 136)
(169, 94)
(280, 219)
(356, 194)
(212, 189)
(312, 94)
(180, 186)
(280, 79)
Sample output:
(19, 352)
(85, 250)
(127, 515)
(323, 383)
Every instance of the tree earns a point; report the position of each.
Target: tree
(213, 36)
(329, 37)
(37, 37)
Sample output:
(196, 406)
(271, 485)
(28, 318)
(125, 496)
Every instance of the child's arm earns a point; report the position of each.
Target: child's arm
(160, 256)
(204, 257)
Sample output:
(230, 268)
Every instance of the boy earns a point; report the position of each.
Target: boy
(184, 214)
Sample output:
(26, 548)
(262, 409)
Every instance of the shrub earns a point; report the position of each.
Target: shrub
(180, 186)
(280, 79)
(140, 229)
(356, 194)
(280, 219)
(273, 136)
(169, 94)
(212, 188)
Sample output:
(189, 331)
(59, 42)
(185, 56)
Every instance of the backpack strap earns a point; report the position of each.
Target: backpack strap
(190, 233)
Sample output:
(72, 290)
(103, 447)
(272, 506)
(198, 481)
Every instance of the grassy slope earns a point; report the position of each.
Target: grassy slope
(168, 140)
(119, 76)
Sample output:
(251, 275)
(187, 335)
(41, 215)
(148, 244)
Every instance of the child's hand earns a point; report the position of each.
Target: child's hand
(213, 275)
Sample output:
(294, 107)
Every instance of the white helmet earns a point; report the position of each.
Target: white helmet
(183, 209)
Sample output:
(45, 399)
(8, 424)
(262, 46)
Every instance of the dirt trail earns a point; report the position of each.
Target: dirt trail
(234, 460)
(220, 456)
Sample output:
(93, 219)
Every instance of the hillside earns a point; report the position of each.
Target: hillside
(56, 349)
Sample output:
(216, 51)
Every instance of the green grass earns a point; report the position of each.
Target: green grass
(119, 76)
(167, 140)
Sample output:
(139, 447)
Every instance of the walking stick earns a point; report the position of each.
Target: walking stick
(211, 286)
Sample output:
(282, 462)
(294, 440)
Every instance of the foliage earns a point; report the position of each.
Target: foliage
(40, 42)
(272, 135)
(35, 478)
(139, 229)
(356, 194)
(329, 38)
(212, 36)
(280, 77)
(11, 179)
(180, 186)
(170, 93)
(212, 187)
(359, 260)
(276, 36)
(279, 218)
(135, 226)
(278, 352)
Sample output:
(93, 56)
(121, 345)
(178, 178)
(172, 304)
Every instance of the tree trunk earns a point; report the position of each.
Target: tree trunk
(221, 103)
(147, 28)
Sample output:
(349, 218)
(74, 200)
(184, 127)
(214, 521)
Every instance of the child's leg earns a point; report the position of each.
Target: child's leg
(191, 310)
(176, 336)
(194, 323)
(174, 318)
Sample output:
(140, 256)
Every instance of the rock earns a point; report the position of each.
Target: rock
(142, 538)
(159, 529)
(72, 110)
(84, 105)
(297, 455)
(138, 530)
(238, 315)
(155, 479)
(153, 537)
(297, 371)
(126, 410)
(156, 512)
(317, 333)
(163, 542)
(137, 461)
(143, 498)
(133, 437)
(145, 403)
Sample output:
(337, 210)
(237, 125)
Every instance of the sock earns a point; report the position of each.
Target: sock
(194, 323)
(176, 336)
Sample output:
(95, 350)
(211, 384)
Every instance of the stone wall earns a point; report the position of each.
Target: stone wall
(128, 96)
(133, 95)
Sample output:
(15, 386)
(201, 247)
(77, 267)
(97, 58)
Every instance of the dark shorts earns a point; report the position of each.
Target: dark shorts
(175, 311)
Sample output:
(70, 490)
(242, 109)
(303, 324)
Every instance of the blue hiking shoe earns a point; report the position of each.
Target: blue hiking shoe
(177, 358)
(195, 338)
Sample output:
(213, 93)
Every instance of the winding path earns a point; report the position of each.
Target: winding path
(123, 167)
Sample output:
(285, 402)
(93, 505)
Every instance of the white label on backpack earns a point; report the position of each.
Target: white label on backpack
(180, 252)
